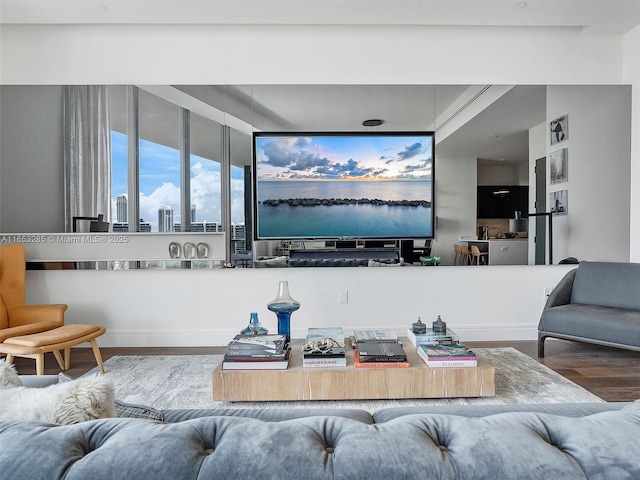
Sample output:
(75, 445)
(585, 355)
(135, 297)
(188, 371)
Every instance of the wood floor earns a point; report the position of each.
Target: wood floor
(611, 374)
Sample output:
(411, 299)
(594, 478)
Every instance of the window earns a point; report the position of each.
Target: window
(159, 194)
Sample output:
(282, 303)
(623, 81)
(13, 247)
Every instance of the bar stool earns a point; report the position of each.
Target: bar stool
(458, 257)
(466, 255)
(476, 255)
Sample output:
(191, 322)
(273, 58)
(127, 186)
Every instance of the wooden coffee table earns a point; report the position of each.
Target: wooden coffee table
(350, 383)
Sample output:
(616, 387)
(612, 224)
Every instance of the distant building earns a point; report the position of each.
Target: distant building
(200, 227)
(238, 239)
(124, 226)
(238, 232)
(121, 208)
(120, 227)
(165, 219)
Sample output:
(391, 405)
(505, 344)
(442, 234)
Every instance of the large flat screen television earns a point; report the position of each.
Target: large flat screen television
(343, 185)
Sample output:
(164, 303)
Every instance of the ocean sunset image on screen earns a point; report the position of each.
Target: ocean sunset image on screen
(332, 185)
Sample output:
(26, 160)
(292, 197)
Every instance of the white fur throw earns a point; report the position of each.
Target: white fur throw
(63, 403)
(8, 375)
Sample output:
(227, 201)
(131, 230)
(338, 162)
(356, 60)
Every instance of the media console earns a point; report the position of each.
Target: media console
(346, 253)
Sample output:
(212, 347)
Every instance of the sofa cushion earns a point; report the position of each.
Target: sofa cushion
(267, 414)
(564, 409)
(39, 381)
(132, 410)
(633, 406)
(613, 325)
(607, 284)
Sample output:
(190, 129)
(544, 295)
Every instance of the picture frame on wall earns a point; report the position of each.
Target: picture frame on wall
(558, 202)
(559, 129)
(558, 163)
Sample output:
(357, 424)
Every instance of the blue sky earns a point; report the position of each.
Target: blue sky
(160, 182)
(340, 157)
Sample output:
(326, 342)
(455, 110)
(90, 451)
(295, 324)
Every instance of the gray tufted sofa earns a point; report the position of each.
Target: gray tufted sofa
(598, 302)
(562, 441)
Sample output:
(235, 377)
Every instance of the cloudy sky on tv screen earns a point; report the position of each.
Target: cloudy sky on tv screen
(391, 168)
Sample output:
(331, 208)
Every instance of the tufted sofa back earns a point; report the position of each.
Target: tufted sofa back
(513, 445)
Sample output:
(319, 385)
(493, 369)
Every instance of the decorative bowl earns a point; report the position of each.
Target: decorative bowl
(431, 260)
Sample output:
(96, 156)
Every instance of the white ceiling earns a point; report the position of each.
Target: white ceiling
(499, 133)
(593, 16)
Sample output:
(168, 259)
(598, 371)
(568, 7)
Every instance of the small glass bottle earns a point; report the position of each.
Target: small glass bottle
(254, 327)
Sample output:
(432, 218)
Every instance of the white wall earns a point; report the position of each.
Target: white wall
(598, 186)
(191, 308)
(291, 54)
(195, 308)
(456, 180)
(631, 64)
(491, 175)
(28, 114)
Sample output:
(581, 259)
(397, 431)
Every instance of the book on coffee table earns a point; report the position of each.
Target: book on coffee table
(257, 343)
(380, 355)
(324, 347)
(275, 362)
(436, 338)
(324, 361)
(440, 356)
(367, 336)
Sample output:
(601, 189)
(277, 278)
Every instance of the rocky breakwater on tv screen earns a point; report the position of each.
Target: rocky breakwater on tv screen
(311, 202)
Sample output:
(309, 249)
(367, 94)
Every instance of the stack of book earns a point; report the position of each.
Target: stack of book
(368, 336)
(439, 356)
(378, 349)
(434, 338)
(257, 352)
(324, 347)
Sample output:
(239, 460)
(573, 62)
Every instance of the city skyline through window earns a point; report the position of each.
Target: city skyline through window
(160, 183)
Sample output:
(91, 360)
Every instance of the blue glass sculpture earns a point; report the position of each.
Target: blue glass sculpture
(283, 306)
(254, 327)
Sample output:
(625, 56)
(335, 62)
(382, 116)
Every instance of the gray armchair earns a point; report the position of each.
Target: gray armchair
(598, 302)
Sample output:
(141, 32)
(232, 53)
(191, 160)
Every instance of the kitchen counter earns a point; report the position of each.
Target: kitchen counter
(504, 251)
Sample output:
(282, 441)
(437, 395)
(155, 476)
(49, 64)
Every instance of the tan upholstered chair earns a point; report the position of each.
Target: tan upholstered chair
(16, 318)
(33, 330)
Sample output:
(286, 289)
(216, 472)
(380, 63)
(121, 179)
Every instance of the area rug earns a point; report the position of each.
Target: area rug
(184, 381)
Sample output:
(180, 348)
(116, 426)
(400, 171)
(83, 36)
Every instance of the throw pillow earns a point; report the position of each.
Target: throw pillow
(635, 406)
(131, 410)
(63, 403)
(8, 375)
(63, 378)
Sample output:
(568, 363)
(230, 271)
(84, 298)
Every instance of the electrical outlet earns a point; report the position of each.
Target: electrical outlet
(547, 291)
(343, 296)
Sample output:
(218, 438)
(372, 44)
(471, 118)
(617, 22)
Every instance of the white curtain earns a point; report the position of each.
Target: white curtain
(87, 154)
